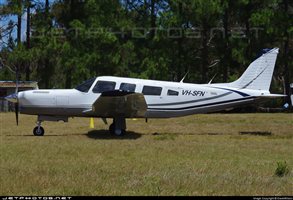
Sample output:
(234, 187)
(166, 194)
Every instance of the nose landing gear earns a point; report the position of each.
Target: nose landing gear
(39, 130)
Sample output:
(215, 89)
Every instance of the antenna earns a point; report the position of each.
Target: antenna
(184, 77)
(212, 78)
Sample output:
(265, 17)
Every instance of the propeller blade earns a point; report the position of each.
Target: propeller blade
(16, 106)
(16, 112)
(14, 99)
(16, 80)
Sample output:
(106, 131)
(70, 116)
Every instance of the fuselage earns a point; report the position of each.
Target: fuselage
(164, 99)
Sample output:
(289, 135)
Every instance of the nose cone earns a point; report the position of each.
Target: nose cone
(12, 98)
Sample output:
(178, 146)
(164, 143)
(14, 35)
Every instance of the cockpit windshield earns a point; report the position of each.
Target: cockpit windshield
(85, 86)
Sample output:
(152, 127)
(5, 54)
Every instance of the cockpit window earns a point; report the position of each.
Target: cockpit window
(85, 86)
(104, 86)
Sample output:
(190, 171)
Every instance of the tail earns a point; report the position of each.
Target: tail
(258, 75)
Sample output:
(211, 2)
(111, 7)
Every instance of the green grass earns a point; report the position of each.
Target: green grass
(195, 155)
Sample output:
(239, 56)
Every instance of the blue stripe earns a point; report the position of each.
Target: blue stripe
(204, 105)
(192, 101)
(236, 91)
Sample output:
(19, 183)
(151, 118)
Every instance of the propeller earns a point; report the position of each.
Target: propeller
(16, 110)
(14, 99)
(16, 105)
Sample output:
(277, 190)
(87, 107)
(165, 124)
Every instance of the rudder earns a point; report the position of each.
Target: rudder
(258, 75)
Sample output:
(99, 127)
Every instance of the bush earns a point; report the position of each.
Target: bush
(282, 169)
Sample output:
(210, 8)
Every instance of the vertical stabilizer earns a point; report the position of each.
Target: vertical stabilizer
(258, 75)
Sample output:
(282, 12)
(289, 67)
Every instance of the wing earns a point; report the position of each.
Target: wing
(120, 103)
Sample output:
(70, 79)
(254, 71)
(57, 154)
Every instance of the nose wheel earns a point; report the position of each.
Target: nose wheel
(39, 130)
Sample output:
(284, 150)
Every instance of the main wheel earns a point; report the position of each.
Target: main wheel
(117, 132)
(39, 131)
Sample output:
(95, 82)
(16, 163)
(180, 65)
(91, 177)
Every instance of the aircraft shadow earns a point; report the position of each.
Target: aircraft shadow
(94, 134)
(105, 135)
(55, 135)
(259, 133)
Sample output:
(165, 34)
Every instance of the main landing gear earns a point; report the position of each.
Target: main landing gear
(39, 130)
(118, 126)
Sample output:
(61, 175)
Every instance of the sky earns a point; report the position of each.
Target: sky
(5, 21)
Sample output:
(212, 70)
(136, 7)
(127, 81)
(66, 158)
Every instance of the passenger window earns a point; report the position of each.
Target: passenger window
(172, 93)
(150, 90)
(127, 87)
(104, 86)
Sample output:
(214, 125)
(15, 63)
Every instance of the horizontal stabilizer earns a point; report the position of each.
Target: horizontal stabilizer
(273, 95)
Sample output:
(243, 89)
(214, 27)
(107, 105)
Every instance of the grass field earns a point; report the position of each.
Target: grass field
(217, 154)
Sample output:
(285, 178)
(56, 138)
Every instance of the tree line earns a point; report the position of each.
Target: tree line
(69, 41)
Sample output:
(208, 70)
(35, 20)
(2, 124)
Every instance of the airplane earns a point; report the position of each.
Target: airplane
(120, 98)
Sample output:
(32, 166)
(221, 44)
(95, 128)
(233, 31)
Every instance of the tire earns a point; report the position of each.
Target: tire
(116, 132)
(120, 132)
(41, 132)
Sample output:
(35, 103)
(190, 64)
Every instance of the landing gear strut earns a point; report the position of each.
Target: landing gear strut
(38, 130)
(118, 126)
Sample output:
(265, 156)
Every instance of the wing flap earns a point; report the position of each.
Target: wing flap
(120, 103)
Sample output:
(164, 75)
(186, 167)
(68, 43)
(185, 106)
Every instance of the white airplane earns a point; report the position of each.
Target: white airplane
(121, 98)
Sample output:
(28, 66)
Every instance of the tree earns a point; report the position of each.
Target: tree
(158, 39)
